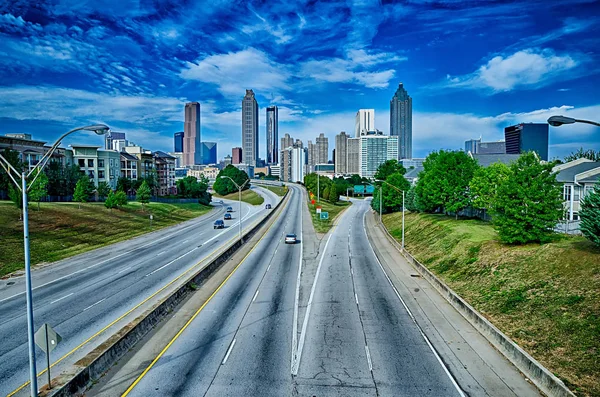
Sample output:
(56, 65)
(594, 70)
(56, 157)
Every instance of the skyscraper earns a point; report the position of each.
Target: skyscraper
(192, 153)
(365, 121)
(526, 137)
(236, 155)
(272, 135)
(322, 146)
(178, 142)
(352, 158)
(341, 153)
(311, 157)
(249, 129)
(286, 141)
(376, 149)
(401, 121)
(209, 152)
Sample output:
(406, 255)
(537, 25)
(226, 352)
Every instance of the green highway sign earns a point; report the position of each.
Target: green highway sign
(324, 215)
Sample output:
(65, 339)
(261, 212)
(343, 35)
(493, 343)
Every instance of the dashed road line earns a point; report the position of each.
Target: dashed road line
(228, 352)
(97, 303)
(64, 297)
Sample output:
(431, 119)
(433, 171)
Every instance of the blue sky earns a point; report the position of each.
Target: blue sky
(472, 67)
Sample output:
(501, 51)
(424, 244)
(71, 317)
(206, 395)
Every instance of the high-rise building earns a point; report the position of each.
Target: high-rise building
(401, 121)
(523, 138)
(311, 157)
(341, 153)
(365, 121)
(352, 156)
(272, 135)
(236, 155)
(178, 142)
(192, 153)
(475, 146)
(249, 129)
(112, 136)
(376, 149)
(286, 141)
(472, 145)
(209, 152)
(322, 144)
(292, 164)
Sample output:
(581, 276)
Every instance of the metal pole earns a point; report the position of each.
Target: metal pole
(403, 220)
(30, 332)
(48, 356)
(380, 201)
(318, 189)
(240, 206)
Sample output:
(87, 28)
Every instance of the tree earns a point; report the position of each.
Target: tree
(586, 154)
(388, 168)
(224, 186)
(111, 201)
(392, 198)
(260, 175)
(38, 190)
(310, 181)
(124, 184)
(62, 180)
(13, 157)
(334, 194)
(326, 194)
(485, 183)
(590, 215)
(190, 187)
(83, 190)
(444, 181)
(120, 199)
(529, 203)
(103, 189)
(411, 200)
(143, 194)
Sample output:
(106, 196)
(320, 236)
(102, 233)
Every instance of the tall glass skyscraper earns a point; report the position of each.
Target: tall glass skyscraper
(272, 135)
(178, 146)
(192, 153)
(401, 121)
(249, 129)
(209, 152)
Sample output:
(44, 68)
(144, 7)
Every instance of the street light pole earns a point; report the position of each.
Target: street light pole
(23, 187)
(403, 220)
(380, 201)
(557, 121)
(240, 188)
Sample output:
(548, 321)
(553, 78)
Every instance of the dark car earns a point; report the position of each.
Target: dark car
(268, 206)
(219, 224)
(229, 209)
(227, 216)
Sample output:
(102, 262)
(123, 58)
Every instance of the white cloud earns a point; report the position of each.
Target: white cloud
(235, 71)
(523, 69)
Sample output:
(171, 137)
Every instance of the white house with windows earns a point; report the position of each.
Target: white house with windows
(578, 178)
(98, 164)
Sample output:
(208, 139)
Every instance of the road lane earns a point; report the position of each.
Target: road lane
(90, 300)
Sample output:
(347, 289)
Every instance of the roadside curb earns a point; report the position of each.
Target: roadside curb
(539, 375)
(116, 346)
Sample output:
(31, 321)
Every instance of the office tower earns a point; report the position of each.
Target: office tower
(322, 144)
(249, 129)
(352, 156)
(112, 136)
(178, 142)
(341, 153)
(227, 160)
(236, 155)
(298, 143)
(472, 145)
(475, 146)
(286, 141)
(272, 134)
(311, 157)
(401, 121)
(292, 164)
(192, 153)
(333, 158)
(375, 150)
(365, 121)
(523, 138)
(209, 152)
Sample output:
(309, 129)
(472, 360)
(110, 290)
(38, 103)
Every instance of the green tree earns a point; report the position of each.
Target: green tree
(190, 187)
(334, 194)
(585, 154)
(326, 194)
(392, 198)
(13, 157)
(590, 215)
(444, 181)
(310, 182)
(224, 186)
(120, 198)
(411, 200)
(529, 203)
(388, 168)
(38, 190)
(111, 201)
(143, 195)
(484, 186)
(83, 190)
(124, 184)
(103, 189)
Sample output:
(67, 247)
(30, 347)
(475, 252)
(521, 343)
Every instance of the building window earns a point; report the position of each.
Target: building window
(91, 174)
(111, 163)
(90, 162)
(101, 163)
(100, 174)
(567, 192)
(81, 162)
(587, 190)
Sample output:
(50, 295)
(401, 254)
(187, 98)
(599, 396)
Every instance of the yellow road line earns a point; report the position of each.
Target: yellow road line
(139, 378)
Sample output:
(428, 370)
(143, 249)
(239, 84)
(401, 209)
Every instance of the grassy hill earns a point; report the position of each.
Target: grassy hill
(248, 196)
(545, 297)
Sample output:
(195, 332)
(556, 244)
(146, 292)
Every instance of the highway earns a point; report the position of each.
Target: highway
(84, 295)
(356, 338)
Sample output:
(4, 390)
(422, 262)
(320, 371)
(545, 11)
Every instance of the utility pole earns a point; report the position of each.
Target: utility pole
(380, 201)
(318, 189)
(240, 188)
(403, 220)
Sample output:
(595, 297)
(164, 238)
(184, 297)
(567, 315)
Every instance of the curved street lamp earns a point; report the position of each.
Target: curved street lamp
(24, 187)
(380, 194)
(240, 198)
(557, 121)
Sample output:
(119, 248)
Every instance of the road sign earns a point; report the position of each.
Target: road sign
(312, 202)
(324, 215)
(319, 210)
(47, 344)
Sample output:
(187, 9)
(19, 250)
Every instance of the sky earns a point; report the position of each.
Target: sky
(471, 67)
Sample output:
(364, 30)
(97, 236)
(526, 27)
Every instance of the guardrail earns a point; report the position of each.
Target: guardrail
(115, 347)
(541, 377)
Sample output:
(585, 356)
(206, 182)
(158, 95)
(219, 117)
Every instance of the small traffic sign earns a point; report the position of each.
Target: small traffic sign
(47, 344)
(319, 210)
(324, 215)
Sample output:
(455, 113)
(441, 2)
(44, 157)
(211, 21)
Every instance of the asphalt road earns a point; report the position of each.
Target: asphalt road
(81, 296)
(357, 338)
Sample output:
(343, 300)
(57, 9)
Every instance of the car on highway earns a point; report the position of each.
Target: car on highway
(268, 206)
(227, 216)
(290, 239)
(219, 224)
(229, 209)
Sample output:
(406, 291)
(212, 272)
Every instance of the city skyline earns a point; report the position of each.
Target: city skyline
(319, 63)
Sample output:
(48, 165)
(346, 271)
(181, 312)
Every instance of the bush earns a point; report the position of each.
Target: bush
(590, 215)
(120, 198)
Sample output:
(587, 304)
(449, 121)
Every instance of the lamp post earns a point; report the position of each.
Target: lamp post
(240, 187)
(389, 184)
(557, 121)
(24, 187)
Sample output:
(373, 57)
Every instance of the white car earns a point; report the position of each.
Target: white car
(290, 239)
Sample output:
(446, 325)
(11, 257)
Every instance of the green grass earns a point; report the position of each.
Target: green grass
(278, 190)
(248, 196)
(61, 230)
(545, 297)
(323, 226)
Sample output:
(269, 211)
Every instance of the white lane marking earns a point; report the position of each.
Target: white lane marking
(122, 270)
(435, 353)
(369, 358)
(184, 241)
(356, 297)
(170, 263)
(297, 296)
(97, 303)
(59, 299)
(255, 295)
(160, 253)
(352, 271)
(228, 352)
(308, 307)
(269, 267)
